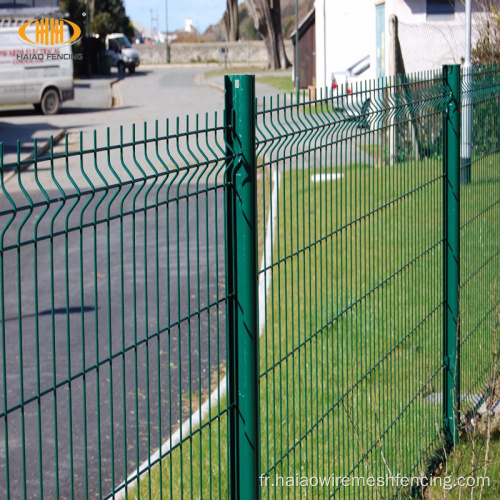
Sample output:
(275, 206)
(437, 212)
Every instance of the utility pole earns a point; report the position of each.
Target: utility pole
(154, 24)
(297, 82)
(166, 31)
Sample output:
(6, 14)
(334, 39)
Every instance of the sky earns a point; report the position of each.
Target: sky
(202, 12)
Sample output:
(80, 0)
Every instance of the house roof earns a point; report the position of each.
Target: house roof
(305, 24)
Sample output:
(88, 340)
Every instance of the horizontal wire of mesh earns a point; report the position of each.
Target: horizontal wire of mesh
(112, 305)
(479, 234)
(351, 353)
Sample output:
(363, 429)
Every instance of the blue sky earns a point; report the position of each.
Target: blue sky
(202, 12)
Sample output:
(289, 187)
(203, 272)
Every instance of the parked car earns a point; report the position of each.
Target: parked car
(349, 90)
(344, 81)
(122, 54)
(31, 76)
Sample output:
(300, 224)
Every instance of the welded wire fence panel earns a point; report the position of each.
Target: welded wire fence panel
(479, 234)
(351, 357)
(121, 295)
(112, 305)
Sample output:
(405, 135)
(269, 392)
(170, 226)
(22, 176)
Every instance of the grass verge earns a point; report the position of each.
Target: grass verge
(284, 83)
(472, 470)
(475, 458)
(352, 347)
(243, 70)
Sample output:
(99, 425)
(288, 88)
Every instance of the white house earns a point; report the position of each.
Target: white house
(431, 33)
(345, 32)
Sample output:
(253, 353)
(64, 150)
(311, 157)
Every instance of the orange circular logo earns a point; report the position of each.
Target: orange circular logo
(50, 32)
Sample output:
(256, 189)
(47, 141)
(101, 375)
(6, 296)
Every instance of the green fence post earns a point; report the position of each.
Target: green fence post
(451, 213)
(241, 245)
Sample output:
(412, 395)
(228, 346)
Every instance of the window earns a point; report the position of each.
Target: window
(440, 7)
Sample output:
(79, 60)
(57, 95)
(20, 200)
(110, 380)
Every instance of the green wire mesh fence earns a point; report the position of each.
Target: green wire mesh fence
(479, 235)
(311, 249)
(351, 348)
(113, 311)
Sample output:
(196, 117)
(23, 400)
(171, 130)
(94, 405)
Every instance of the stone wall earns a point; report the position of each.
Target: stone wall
(251, 53)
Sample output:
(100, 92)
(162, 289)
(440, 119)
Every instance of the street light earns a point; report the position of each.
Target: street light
(166, 31)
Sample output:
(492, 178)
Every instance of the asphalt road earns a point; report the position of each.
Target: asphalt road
(110, 320)
(131, 313)
(151, 94)
(148, 95)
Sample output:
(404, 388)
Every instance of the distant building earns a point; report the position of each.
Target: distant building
(188, 26)
(307, 51)
(430, 33)
(345, 34)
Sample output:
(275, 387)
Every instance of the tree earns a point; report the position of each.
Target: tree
(266, 16)
(231, 20)
(247, 27)
(76, 11)
(102, 25)
(487, 26)
(116, 9)
(106, 16)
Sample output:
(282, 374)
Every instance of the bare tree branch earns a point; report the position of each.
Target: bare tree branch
(266, 16)
(231, 21)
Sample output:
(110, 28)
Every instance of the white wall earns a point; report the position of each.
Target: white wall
(415, 11)
(429, 42)
(345, 33)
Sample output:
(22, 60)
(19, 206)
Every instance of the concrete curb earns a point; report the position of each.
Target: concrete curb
(116, 96)
(199, 79)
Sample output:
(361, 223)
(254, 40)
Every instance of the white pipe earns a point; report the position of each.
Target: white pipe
(466, 149)
(468, 30)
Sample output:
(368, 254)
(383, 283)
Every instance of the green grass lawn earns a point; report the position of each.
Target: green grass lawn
(480, 275)
(346, 301)
(373, 150)
(283, 83)
(352, 346)
(197, 468)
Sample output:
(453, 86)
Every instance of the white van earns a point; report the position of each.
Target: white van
(32, 74)
(122, 54)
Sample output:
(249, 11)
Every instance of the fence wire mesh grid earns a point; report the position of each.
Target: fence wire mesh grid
(119, 293)
(113, 300)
